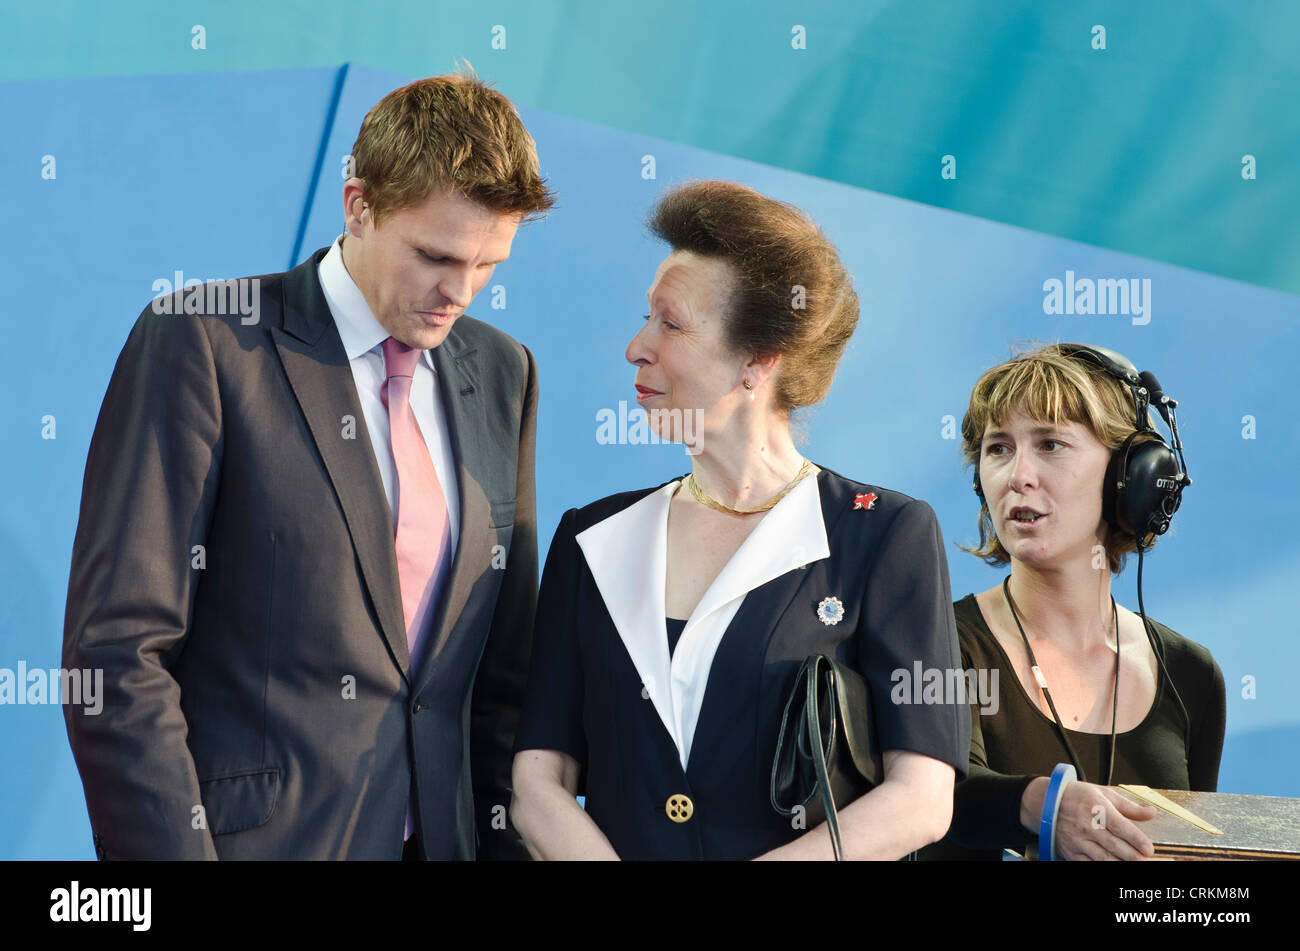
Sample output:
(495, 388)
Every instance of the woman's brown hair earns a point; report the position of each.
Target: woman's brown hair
(791, 296)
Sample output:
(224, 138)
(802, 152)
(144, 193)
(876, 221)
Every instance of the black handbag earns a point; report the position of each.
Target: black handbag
(826, 752)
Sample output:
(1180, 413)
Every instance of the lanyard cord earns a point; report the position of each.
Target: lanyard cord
(1042, 685)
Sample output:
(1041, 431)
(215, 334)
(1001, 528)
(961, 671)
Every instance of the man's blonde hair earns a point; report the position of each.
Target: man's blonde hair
(451, 131)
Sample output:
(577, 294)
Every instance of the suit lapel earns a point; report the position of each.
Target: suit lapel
(462, 400)
(627, 553)
(321, 377)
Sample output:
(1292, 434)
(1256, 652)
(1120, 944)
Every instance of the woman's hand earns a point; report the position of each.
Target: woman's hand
(1095, 823)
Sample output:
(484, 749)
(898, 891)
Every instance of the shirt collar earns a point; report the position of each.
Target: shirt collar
(359, 329)
(790, 535)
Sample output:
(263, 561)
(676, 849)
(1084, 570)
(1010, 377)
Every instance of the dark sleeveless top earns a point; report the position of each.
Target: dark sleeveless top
(1017, 742)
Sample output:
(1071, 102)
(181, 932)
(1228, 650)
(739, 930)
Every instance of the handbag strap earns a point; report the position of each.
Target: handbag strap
(813, 718)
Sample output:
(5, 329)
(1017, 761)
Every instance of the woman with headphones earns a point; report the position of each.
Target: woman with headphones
(1072, 477)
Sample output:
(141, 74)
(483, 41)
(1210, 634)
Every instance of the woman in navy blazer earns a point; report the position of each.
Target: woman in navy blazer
(671, 620)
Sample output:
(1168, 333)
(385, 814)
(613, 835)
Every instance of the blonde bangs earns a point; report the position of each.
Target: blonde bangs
(1041, 390)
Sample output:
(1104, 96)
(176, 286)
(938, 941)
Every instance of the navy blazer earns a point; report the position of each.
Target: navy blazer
(837, 566)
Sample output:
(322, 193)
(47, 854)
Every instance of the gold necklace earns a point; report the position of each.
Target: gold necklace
(699, 495)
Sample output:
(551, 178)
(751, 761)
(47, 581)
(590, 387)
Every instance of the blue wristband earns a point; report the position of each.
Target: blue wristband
(1062, 776)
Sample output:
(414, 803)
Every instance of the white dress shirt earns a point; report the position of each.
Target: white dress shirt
(362, 336)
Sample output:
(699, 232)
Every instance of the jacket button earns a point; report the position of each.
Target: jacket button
(418, 707)
(679, 808)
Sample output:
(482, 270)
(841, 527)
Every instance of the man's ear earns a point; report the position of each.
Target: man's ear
(356, 213)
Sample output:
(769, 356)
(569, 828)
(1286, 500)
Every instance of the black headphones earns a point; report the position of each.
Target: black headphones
(1144, 482)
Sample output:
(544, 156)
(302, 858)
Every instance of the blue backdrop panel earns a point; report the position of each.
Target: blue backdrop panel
(202, 174)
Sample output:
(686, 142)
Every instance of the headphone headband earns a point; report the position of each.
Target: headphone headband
(1118, 365)
(1122, 369)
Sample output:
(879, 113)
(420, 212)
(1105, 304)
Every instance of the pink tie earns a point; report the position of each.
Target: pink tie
(423, 529)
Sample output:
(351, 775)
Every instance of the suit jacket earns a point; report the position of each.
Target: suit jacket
(867, 584)
(234, 574)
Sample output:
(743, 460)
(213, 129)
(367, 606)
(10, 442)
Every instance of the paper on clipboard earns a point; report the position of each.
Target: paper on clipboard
(1151, 797)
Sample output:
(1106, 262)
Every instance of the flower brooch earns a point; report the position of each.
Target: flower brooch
(830, 611)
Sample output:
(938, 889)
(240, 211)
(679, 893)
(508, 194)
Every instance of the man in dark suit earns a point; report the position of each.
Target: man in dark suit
(306, 559)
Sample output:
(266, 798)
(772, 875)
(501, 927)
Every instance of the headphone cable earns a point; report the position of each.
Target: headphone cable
(1158, 650)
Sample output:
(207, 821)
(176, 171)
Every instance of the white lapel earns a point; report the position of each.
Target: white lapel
(627, 554)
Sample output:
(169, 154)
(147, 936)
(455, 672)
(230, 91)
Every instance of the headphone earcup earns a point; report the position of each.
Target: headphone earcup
(1152, 491)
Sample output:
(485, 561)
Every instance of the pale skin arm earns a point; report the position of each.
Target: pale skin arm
(910, 809)
(1095, 823)
(545, 810)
